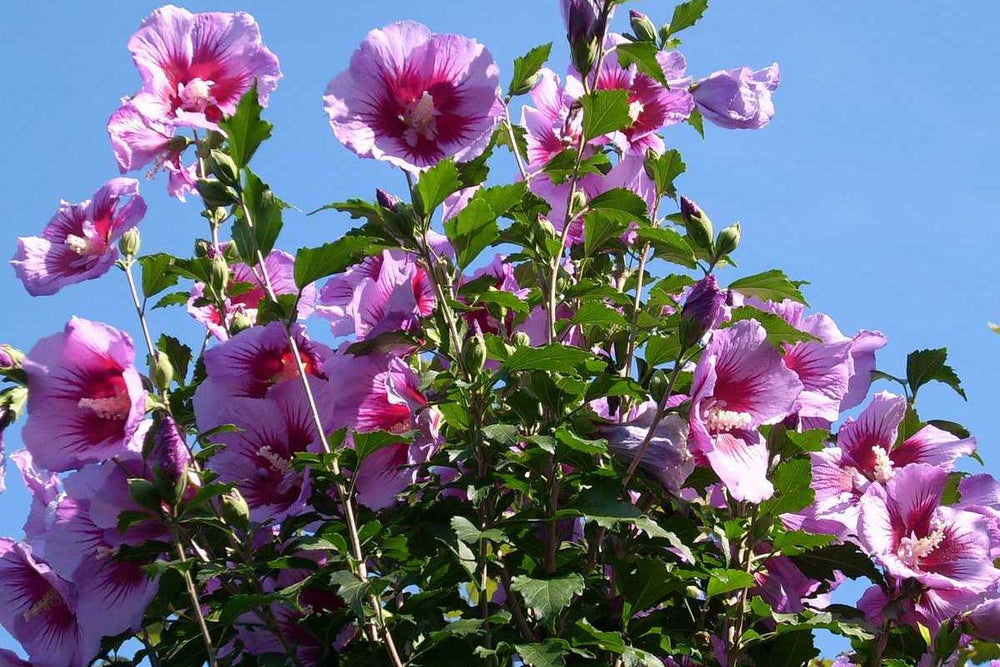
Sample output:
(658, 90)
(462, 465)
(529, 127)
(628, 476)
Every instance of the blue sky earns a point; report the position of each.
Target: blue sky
(876, 182)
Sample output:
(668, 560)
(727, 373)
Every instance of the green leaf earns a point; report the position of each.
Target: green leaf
(548, 654)
(563, 165)
(606, 641)
(697, 121)
(469, 534)
(604, 111)
(666, 168)
(668, 245)
(547, 597)
(435, 185)
(686, 15)
(923, 366)
(721, 582)
(821, 563)
(155, 274)
(791, 488)
(475, 227)
(178, 353)
(582, 445)
(312, 264)
(795, 542)
(553, 357)
(778, 330)
(265, 211)
(245, 131)
(594, 312)
(643, 55)
(526, 67)
(366, 444)
(600, 231)
(352, 590)
(172, 299)
(771, 285)
(624, 205)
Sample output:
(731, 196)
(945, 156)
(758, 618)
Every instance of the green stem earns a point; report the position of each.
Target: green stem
(195, 602)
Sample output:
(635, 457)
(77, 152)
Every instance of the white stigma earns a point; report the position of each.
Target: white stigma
(47, 601)
(79, 244)
(278, 463)
(911, 549)
(421, 117)
(883, 465)
(196, 94)
(635, 110)
(112, 407)
(720, 421)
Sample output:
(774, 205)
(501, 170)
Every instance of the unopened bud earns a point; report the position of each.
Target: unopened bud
(235, 509)
(241, 322)
(527, 85)
(642, 27)
(216, 193)
(698, 225)
(10, 357)
(694, 592)
(728, 240)
(220, 273)
(387, 200)
(163, 372)
(546, 227)
(577, 203)
(202, 248)
(704, 309)
(474, 353)
(128, 244)
(169, 461)
(658, 385)
(585, 55)
(522, 339)
(223, 167)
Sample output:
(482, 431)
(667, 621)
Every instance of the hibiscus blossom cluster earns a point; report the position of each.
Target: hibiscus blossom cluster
(398, 447)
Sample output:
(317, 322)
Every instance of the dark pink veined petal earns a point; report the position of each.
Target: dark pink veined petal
(876, 426)
(933, 446)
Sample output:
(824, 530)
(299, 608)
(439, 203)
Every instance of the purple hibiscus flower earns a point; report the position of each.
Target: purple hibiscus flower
(387, 292)
(652, 105)
(79, 242)
(413, 97)
(947, 550)
(738, 98)
(866, 452)
(667, 459)
(196, 67)
(740, 383)
(85, 396)
(40, 610)
(259, 457)
(552, 124)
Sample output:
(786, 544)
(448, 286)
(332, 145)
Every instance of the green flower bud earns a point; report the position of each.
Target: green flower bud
(527, 85)
(585, 55)
(223, 167)
(144, 494)
(241, 322)
(546, 228)
(474, 353)
(698, 225)
(578, 203)
(128, 244)
(728, 240)
(658, 384)
(522, 339)
(163, 372)
(642, 27)
(235, 509)
(202, 248)
(220, 273)
(216, 193)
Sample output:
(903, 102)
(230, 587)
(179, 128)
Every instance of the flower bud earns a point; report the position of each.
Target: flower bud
(522, 339)
(577, 203)
(10, 357)
(704, 309)
(546, 227)
(728, 240)
(698, 225)
(163, 372)
(169, 460)
(128, 244)
(528, 84)
(235, 509)
(642, 27)
(658, 385)
(215, 193)
(387, 200)
(241, 322)
(223, 167)
(203, 248)
(219, 273)
(585, 55)
(144, 494)
(474, 352)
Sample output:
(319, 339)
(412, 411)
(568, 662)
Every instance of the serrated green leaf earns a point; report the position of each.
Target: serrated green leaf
(312, 264)
(923, 366)
(778, 330)
(666, 168)
(643, 55)
(550, 653)
(669, 246)
(526, 67)
(435, 185)
(721, 582)
(771, 285)
(604, 111)
(553, 357)
(547, 597)
(686, 15)
(155, 274)
(245, 131)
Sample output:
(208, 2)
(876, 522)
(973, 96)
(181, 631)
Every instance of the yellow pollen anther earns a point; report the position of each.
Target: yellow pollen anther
(278, 463)
(421, 118)
(47, 601)
(78, 244)
(883, 465)
(912, 549)
(719, 420)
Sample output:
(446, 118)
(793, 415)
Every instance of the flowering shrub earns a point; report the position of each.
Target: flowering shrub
(585, 450)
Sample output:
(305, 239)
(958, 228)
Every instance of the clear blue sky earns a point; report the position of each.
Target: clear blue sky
(877, 180)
